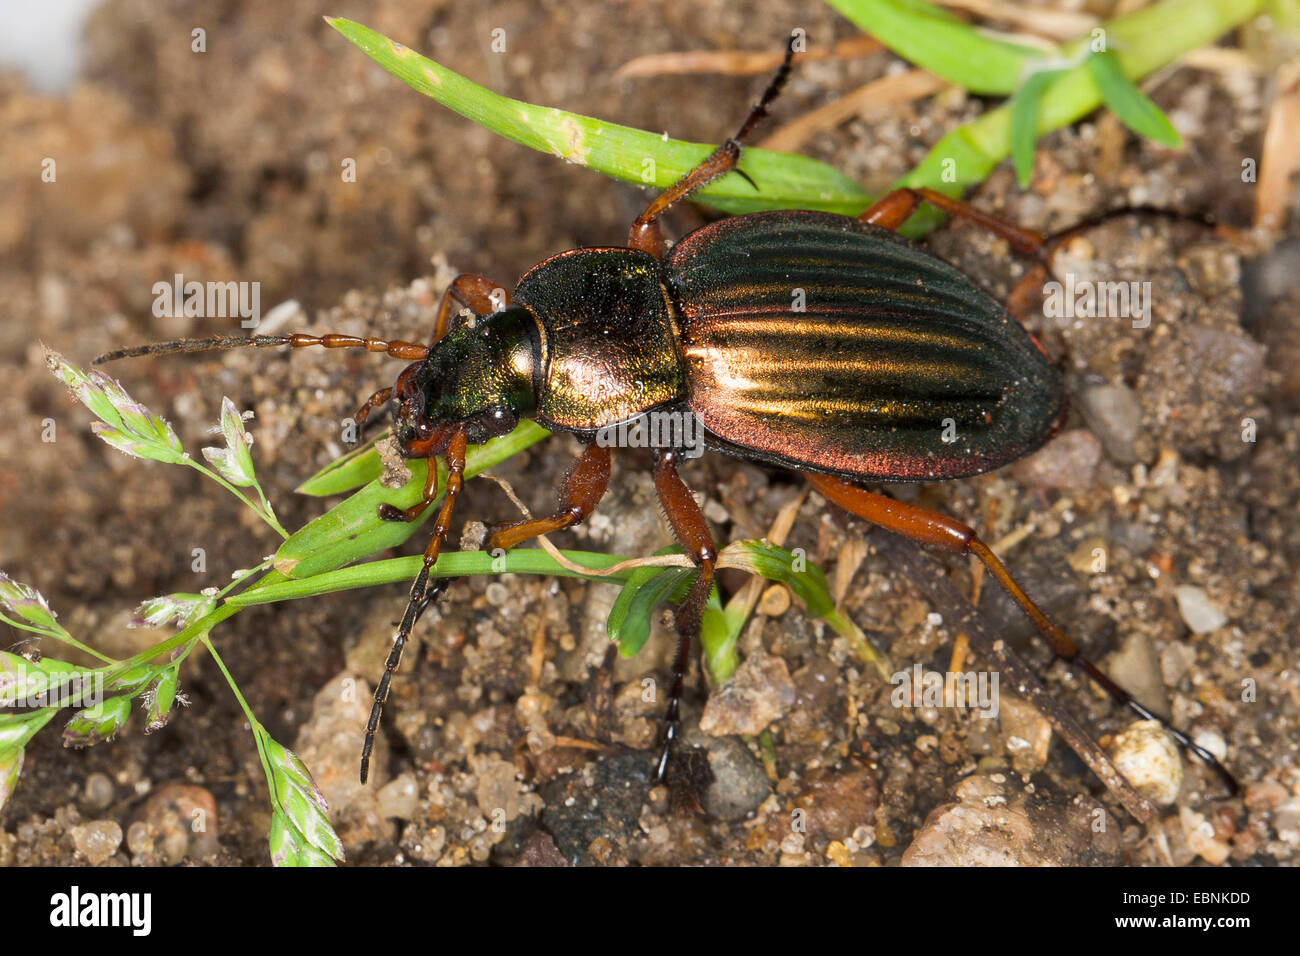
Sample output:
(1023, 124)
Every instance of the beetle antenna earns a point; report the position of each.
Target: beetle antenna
(297, 340)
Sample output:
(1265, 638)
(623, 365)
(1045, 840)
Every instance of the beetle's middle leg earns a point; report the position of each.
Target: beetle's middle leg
(692, 531)
(895, 208)
(646, 234)
(579, 495)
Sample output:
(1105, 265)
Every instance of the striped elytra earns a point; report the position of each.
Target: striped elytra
(824, 343)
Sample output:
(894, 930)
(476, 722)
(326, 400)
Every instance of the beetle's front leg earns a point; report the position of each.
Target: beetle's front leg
(579, 495)
(378, 400)
(477, 293)
(692, 531)
(393, 513)
(422, 592)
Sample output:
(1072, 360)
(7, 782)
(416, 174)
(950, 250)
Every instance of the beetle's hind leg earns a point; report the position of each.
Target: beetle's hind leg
(692, 531)
(939, 530)
(579, 495)
(646, 233)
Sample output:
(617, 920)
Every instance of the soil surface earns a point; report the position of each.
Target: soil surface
(1160, 528)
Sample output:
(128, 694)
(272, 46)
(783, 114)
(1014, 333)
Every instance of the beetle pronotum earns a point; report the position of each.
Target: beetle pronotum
(891, 342)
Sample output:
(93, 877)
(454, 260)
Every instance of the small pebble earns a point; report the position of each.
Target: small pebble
(1026, 733)
(399, 798)
(1091, 556)
(99, 791)
(1197, 611)
(1147, 757)
(1068, 462)
(1286, 821)
(991, 822)
(759, 692)
(1114, 414)
(775, 601)
(98, 840)
(180, 821)
(1212, 740)
(1201, 838)
(139, 839)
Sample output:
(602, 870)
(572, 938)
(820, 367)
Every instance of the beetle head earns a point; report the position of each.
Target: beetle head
(478, 378)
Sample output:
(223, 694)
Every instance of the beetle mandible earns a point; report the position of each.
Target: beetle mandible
(889, 345)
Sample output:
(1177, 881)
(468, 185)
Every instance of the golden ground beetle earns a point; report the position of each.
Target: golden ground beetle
(855, 384)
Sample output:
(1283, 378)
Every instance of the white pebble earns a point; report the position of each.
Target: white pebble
(399, 798)
(1197, 611)
(1148, 758)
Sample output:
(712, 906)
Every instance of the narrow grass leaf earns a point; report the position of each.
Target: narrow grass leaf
(353, 530)
(935, 40)
(1133, 107)
(353, 470)
(628, 624)
(784, 181)
(1024, 122)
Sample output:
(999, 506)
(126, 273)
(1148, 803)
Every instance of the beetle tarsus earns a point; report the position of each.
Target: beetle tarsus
(421, 596)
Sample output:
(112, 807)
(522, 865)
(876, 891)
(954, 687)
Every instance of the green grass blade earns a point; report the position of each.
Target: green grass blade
(1144, 42)
(718, 643)
(352, 529)
(934, 40)
(1024, 123)
(353, 470)
(632, 155)
(628, 624)
(452, 564)
(1130, 104)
